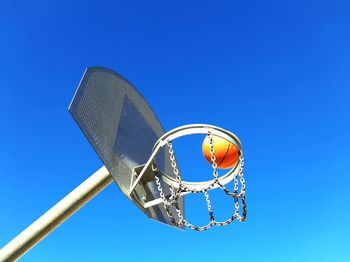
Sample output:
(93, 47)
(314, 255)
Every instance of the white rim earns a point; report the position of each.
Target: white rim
(198, 129)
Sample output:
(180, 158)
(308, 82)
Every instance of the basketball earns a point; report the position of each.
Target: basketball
(225, 152)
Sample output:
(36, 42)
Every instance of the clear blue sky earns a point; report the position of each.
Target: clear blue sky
(274, 72)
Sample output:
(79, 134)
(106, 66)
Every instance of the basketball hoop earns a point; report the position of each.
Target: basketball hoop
(177, 187)
(130, 140)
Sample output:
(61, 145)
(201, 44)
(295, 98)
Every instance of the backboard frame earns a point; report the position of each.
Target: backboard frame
(122, 128)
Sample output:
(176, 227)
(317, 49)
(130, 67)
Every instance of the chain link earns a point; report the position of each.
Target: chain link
(172, 201)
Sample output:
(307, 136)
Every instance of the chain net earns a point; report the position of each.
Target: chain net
(172, 199)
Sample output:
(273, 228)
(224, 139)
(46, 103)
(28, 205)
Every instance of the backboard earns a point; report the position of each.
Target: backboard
(122, 128)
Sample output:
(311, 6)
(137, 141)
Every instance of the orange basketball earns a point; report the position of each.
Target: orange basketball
(225, 152)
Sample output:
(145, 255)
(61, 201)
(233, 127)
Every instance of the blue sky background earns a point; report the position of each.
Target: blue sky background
(276, 73)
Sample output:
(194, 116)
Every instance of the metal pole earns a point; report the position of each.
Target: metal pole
(56, 215)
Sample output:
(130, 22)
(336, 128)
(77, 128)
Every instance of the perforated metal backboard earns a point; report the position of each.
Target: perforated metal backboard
(122, 128)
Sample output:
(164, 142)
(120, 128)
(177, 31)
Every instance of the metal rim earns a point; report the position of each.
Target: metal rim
(199, 129)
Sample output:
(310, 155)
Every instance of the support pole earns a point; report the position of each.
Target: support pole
(56, 215)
